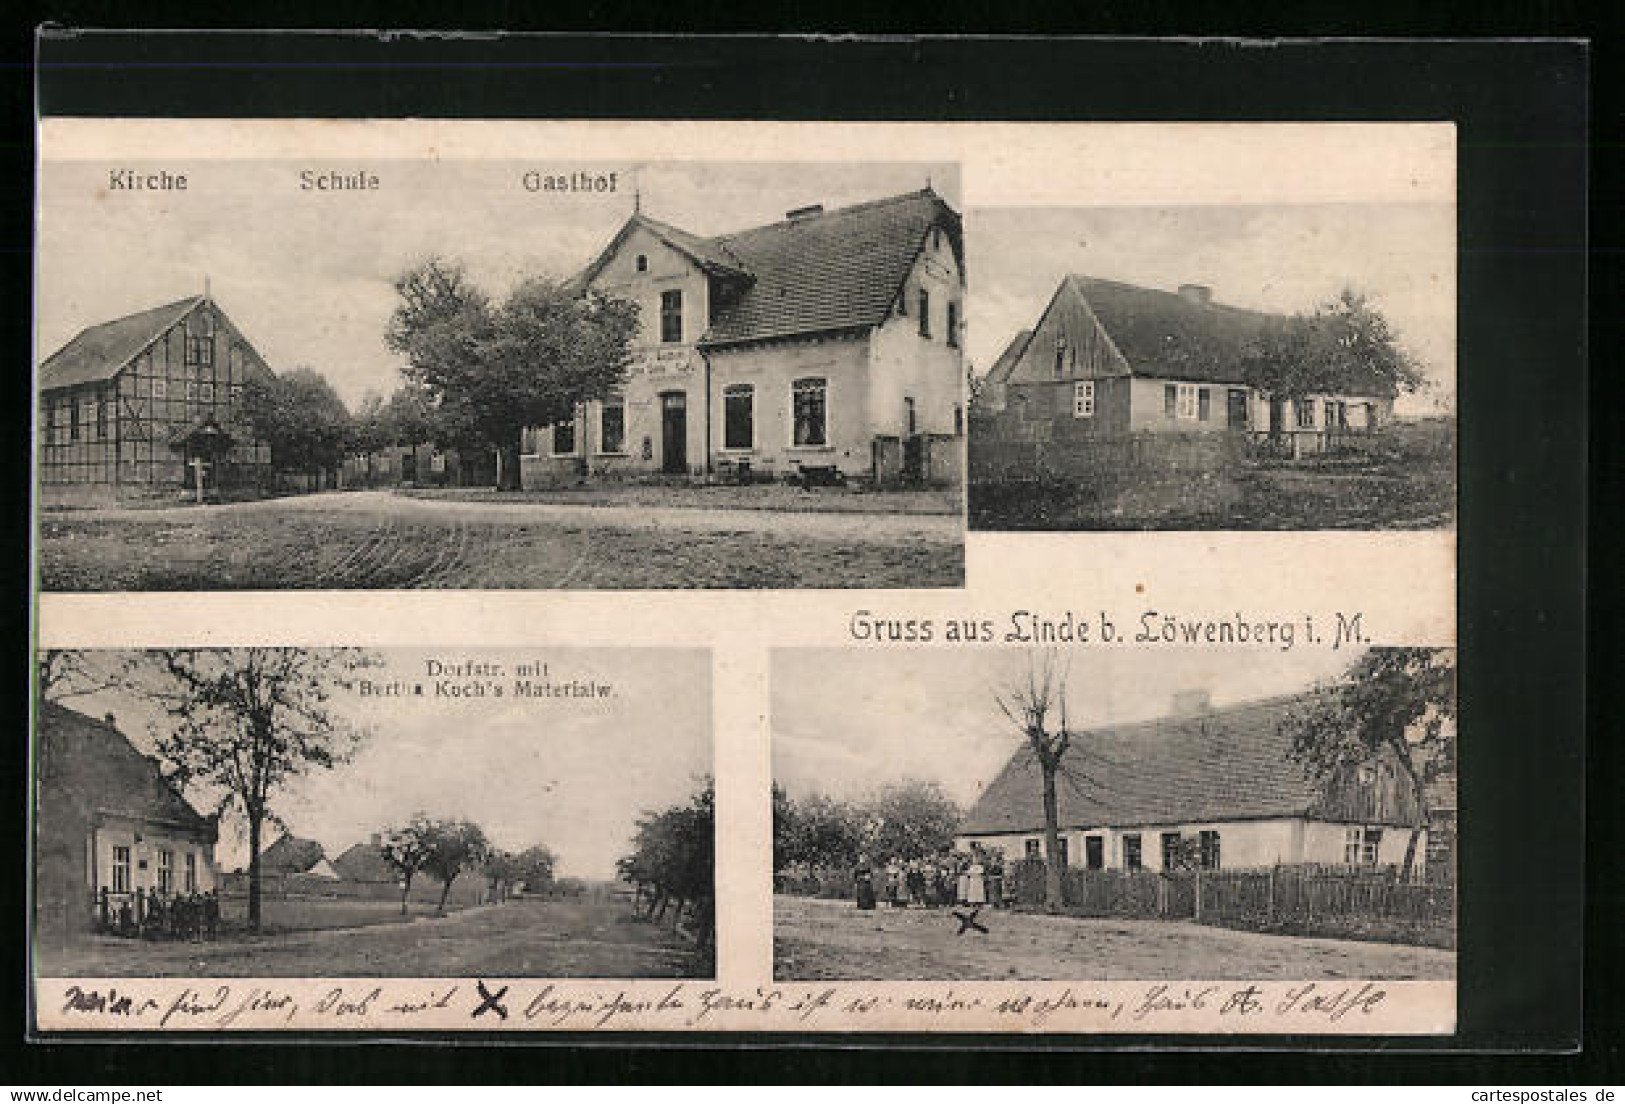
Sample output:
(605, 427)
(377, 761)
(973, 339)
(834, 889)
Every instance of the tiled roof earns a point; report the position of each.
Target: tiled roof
(1227, 763)
(1000, 372)
(292, 854)
(98, 352)
(835, 270)
(1147, 325)
(90, 764)
(364, 862)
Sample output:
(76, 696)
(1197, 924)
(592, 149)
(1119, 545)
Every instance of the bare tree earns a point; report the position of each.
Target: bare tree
(246, 721)
(1036, 705)
(71, 672)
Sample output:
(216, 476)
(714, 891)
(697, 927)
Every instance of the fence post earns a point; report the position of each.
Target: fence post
(1198, 894)
(1162, 896)
(1269, 907)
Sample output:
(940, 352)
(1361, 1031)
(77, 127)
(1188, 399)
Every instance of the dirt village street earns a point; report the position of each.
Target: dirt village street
(521, 938)
(380, 540)
(816, 939)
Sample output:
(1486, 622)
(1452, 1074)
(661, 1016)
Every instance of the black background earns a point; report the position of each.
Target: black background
(1523, 144)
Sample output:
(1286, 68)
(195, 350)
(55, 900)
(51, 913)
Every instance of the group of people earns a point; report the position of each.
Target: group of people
(143, 915)
(936, 881)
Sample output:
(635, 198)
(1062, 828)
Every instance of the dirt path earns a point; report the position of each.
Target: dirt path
(517, 939)
(827, 525)
(817, 939)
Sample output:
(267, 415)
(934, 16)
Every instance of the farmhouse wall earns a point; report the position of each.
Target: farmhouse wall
(772, 368)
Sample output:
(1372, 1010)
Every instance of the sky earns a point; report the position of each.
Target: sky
(1282, 258)
(308, 277)
(929, 713)
(571, 774)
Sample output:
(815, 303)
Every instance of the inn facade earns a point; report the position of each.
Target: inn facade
(827, 343)
(1213, 787)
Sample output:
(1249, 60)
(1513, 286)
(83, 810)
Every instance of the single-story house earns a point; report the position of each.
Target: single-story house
(136, 404)
(829, 341)
(1109, 358)
(1214, 787)
(364, 864)
(293, 855)
(108, 824)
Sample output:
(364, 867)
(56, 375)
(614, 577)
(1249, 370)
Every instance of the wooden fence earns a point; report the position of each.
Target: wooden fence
(1297, 897)
(1103, 460)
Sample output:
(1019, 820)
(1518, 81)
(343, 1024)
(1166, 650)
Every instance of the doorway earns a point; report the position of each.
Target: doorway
(674, 432)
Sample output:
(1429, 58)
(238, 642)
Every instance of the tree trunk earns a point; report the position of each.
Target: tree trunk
(253, 872)
(1052, 845)
(1410, 853)
(508, 474)
(445, 891)
(406, 888)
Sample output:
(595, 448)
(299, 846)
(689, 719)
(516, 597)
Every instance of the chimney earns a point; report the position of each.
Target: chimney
(1200, 294)
(804, 212)
(376, 839)
(109, 720)
(1191, 703)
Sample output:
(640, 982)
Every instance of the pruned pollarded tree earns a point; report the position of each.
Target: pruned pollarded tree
(245, 722)
(1398, 702)
(64, 673)
(1036, 705)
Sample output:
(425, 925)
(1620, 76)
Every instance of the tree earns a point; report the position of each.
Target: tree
(301, 417)
(1029, 705)
(673, 860)
(534, 866)
(64, 673)
(247, 721)
(493, 369)
(1391, 701)
(407, 417)
(910, 820)
(406, 849)
(1345, 341)
(452, 847)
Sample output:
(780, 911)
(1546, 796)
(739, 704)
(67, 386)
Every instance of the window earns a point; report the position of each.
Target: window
(925, 313)
(166, 872)
(1061, 852)
(642, 263)
(959, 420)
(811, 416)
(1204, 405)
(191, 390)
(73, 419)
(1209, 850)
(612, 425)
(437, 462)
(1094, 852)
(1330, 420)
(191, 872)
(200, 350)
(1030, 849)
(1060, 356)
(1306, 413)
(671, 316)
(1342, 415)
(121, 870)
(910, 417)
(1170, 400)
(1362, 846)
(953, 325)
(1083, 399)
(1187, 401)
(564, 437)
(160, 388)
(1171, 850)
(205, 391)
(1132, 858)
(739, 416)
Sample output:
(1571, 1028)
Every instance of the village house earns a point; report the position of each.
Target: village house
(108, 823)
(825, 344)
(148, 404)
(1214, 787)
(291, 855)
(1110, 359)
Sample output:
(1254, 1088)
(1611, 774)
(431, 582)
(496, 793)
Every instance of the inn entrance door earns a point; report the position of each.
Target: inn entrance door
(674, 432)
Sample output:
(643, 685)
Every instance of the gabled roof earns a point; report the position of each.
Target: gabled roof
(364, 862)
(707, 255)
(92, 766)
(835, 270)
(291, 854)
(1222, 764)
(99, 352)
(1000, 372)
(1161, 332)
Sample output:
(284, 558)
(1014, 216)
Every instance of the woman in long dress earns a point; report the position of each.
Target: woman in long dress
(863, 883)
(978, 883)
